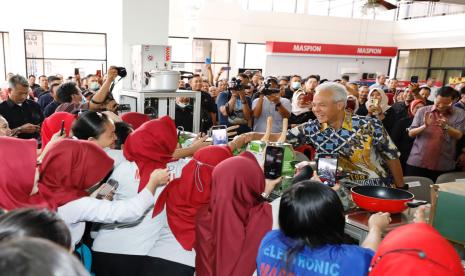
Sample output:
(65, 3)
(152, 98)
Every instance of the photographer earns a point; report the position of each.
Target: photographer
(234, 105)
(270, 103)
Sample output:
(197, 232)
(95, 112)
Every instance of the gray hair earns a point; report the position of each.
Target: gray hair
(17, 79)
(339, 90)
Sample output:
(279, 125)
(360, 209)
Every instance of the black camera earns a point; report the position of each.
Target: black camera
(122, 72)
(267, 87)
(123, 107)
(236, 85)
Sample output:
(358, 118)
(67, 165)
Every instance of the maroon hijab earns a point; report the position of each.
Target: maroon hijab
(71, 167)
(17, 174)
(230, 229)
(151, 146)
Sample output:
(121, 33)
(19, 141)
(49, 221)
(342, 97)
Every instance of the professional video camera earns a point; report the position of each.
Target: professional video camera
(267, 89)
(236, 85)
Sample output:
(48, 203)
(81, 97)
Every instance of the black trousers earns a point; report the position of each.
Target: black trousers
(417, 171)
(108, 264)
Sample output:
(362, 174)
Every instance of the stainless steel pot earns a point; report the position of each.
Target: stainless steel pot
(164, 80)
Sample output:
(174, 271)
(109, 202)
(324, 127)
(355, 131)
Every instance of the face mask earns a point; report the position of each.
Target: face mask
(295, 85)
(94, 86)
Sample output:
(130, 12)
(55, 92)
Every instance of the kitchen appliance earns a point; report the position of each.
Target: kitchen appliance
(163, 80)
(147, 61)
(383, 199)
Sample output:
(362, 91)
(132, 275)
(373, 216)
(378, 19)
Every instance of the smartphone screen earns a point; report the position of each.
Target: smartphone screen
(208, 60)
(107, 188)
(308, 98)
(351, 104)
(98, 73)
(76, 71)
(273, 166)
(414, 79)
(327, 168)
(219, 135)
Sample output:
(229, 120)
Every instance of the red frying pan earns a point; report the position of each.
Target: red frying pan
(383, 199)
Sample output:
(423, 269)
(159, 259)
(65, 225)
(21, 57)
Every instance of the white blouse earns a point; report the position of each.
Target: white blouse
(77, 212)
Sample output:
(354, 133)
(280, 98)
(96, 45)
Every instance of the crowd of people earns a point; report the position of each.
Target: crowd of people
(84, 189)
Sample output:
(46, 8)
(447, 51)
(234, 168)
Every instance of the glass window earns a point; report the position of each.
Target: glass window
(181, 49)
(300, 6)
(240, 51)
(53, 52)
(4, 54)
(452, 57)
(413, 58)
(404, 74)
(217, 50)
(260, 5)
(284, 6)
(255, 56)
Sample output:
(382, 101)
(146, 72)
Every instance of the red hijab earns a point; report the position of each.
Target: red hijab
(229, 230)
(412, 106)
(135, 119)
(18, 173)
(52, 125)
(151, 146)
(70, 168)
(437, 256)
(184, 196)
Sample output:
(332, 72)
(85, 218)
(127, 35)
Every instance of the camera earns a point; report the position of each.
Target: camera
(122, 72)
(123, 107)
(236, 85)
(267, 89)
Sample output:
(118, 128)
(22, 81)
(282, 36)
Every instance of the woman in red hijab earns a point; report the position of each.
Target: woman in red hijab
(52, 125)
(416, 249)
(182, 199)
(18, 173)
(135, 119)
(229, 230)
(151, 146)
(70, 168)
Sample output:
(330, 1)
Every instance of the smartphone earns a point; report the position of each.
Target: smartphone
(227, 68)
(414, 79)
(327, 168)
(274, 157)
(208, 60)
(62, 131)
(219, 135)
(98, 73)
(106, 189)
(76, 71)
(308, 98)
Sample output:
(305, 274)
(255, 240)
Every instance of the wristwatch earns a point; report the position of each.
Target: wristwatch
(265, 196)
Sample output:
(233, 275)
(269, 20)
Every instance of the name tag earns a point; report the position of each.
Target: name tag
(414, 184)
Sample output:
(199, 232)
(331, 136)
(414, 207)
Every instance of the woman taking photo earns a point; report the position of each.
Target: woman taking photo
(310, 239)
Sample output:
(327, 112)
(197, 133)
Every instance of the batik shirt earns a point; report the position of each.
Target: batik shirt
(362, 145)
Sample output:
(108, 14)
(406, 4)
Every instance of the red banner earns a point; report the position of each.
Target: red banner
(329, 49)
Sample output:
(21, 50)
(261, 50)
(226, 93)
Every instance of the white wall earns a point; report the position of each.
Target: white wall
(433, 32)
(82, 16)
(217, 19)
(326, 67)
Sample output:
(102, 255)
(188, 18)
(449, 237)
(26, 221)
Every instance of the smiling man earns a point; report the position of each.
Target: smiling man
(365, 150)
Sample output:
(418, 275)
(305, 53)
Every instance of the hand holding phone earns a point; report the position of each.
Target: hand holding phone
(107, 190)
(219, 135)
(274, 157)
(327, 168)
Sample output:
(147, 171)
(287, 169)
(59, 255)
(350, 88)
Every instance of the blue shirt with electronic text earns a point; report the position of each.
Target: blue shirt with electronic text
(326, 260)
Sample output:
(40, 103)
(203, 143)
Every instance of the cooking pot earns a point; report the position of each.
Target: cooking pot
(383, 199)
(164, 80)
